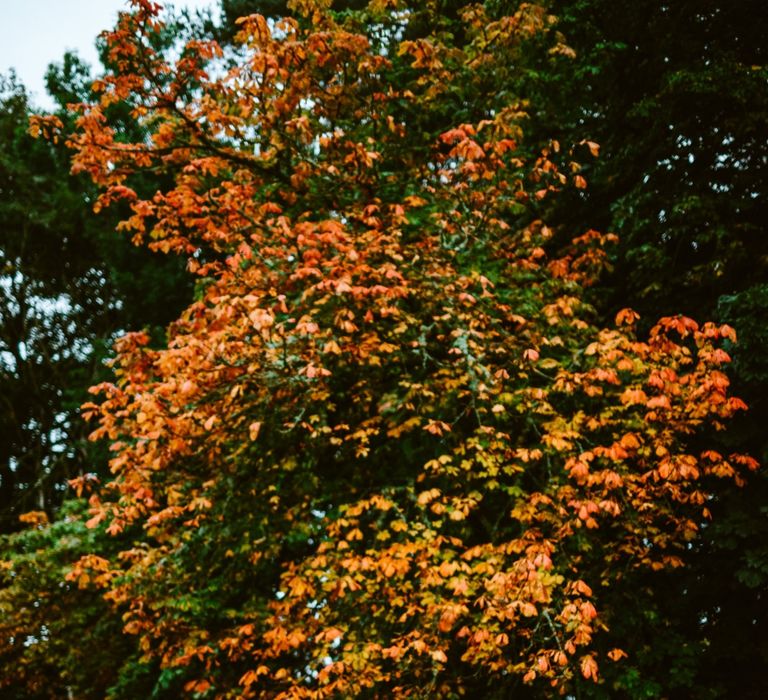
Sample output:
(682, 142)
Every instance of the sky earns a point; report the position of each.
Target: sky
(34, 33)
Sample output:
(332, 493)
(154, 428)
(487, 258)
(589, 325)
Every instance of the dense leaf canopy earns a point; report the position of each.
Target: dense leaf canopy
(390, 449)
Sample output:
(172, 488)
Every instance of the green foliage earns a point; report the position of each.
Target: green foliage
(675, 94)
(59, 640)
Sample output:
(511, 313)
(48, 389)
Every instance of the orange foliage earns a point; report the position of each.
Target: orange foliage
(387, 422)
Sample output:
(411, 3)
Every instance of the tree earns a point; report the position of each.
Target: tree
(57, 640)
(386, 452)
(68, 288)
(675, 94)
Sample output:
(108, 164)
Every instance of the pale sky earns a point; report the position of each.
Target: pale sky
(34, 33)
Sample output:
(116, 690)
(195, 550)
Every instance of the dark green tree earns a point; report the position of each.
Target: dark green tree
(68, 285)
(676, 95)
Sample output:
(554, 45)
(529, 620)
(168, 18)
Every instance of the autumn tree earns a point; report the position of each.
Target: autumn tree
(387, 451)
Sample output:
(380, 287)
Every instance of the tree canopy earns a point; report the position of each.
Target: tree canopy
(394, 446)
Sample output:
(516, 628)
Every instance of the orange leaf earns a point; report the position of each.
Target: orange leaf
(617, 654)
(589, 668)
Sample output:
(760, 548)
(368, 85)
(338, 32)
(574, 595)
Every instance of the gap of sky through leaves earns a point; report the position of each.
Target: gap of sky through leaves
(35, 33)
